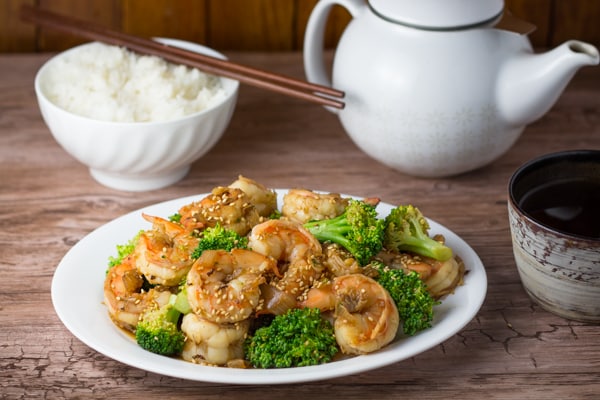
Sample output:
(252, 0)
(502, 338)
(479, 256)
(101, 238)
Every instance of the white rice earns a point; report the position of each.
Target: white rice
(110, 83)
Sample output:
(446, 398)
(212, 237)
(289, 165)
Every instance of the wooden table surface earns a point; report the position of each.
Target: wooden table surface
(512, 349)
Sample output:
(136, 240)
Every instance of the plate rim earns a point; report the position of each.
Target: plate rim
(475, 293)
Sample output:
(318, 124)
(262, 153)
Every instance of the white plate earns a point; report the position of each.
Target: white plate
(77, 296)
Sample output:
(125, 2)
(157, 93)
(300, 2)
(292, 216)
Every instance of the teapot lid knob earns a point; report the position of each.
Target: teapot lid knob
(439, 14)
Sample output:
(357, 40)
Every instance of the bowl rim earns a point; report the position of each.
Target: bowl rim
(231, 85)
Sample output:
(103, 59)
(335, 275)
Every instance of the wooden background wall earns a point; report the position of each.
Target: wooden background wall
(263, 25)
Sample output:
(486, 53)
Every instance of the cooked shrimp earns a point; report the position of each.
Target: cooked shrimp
(365, 316)
(124, 297)
(212, 343)
(337, 261)
(223, 287)
(229, 207)
(296, 250)
(320, 296)
(265, 200)
(303, 205)
(164, 253)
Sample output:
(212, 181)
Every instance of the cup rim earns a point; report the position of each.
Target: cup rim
(577, 155)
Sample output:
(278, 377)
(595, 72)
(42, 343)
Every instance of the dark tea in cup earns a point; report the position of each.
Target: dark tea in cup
(568, 205)
(561, 191)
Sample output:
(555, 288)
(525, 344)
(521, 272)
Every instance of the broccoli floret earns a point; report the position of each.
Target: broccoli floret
(158, 330)
(276, 214)
(357, 229)
(123, 250)
(219, 238)
(298, 338)
(175, 217)
(406, 229)
(414, 302)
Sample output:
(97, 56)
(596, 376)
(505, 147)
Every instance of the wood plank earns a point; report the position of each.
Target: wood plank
(267, 25)
(576, 21)
(251, 25)
(105, 12)
(511, 350)
(15, 35)
(179, 19)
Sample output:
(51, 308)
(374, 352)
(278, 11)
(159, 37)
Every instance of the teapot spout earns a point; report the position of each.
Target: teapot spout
(529, 84)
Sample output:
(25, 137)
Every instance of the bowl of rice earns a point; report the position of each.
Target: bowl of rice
(136, 121)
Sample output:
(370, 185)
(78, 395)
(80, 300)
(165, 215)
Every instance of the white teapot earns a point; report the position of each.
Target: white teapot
(433, 87)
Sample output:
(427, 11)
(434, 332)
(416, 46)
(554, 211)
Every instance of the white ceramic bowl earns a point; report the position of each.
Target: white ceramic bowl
(139, 156)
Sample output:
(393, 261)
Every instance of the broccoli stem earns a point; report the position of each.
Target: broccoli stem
(427, 247)
(333, 230)
(181, 303)
(172, 315)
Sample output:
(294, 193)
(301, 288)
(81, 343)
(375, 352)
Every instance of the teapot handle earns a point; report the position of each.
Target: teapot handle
(314, 64)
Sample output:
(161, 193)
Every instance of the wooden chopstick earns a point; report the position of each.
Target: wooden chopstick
(262, 79)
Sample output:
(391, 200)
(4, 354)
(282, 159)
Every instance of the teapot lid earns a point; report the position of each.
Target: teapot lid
(438, 14)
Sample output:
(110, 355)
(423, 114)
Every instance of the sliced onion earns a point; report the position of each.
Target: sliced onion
(275, 301)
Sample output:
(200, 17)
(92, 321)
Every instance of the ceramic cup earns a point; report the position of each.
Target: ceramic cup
(554, 216)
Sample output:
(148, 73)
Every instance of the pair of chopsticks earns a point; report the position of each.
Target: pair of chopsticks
(262, 79)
